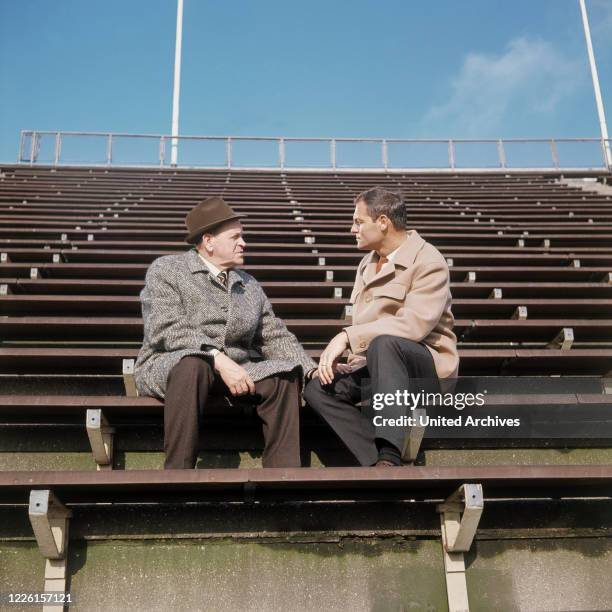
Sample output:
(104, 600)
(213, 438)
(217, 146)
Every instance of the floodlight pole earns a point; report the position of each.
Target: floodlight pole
(177, 82)
(598, 100)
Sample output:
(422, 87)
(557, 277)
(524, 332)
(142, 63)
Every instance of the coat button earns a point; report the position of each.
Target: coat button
(368, 298)
(223, 308)
(362, 345)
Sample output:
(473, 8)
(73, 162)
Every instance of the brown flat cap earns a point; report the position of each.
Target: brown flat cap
(206, 215)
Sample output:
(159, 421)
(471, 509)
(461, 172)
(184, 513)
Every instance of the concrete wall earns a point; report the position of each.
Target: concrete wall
(360, 574)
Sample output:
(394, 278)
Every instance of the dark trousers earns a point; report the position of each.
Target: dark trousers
(190, 384)
(392, 364)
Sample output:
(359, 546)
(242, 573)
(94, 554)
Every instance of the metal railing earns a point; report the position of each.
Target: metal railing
(282, 153)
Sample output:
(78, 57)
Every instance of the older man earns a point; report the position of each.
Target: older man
(209, 329)
(401, 335)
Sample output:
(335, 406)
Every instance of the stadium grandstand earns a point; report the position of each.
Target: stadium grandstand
(495, 495)
(517, 521)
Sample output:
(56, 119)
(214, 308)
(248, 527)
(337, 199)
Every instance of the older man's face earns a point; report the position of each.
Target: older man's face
(226, 245)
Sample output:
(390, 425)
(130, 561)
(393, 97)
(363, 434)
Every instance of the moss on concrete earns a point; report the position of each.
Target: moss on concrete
(21, 568)
(519, 456)
(362, 574)
(192, 575)
(47, 461)
(568, 574)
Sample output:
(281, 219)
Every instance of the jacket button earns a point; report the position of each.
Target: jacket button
(368, 298)
(362, 345)
(223, 308)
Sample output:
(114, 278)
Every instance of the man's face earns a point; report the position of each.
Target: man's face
(226, 246)
(367, 232)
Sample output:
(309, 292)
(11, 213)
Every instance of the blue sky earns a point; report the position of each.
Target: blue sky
(359, 68)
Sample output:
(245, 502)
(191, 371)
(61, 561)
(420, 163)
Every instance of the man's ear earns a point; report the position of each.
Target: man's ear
(206, 243)
(383, 222)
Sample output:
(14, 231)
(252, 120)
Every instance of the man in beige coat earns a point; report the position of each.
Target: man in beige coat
(401, 334)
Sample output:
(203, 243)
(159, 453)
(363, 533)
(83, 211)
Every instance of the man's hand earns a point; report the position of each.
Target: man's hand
(356, 361)
(330, 356)
(234, 376)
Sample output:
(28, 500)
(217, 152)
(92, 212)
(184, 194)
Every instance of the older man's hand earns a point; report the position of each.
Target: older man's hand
(234, 376)
(328, 362)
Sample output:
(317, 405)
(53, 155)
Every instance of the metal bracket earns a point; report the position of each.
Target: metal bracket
(128, 378)
(414, 436)
(459, 518)
(100, 435)
(496, 294)
(563, 340)
(520, 313)
(347, 312)
(50, 520)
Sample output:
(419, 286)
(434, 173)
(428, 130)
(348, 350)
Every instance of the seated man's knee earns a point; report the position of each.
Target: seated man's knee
(312, 392)
(316, 394)
(384, 343)
(287, 385)
(388, 342)
(191, 366)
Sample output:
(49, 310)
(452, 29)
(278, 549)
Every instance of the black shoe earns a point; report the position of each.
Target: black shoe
(384, 463)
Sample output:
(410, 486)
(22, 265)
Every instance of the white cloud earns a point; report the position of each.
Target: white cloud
(530, 76)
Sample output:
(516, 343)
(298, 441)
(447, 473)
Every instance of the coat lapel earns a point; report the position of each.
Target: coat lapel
(405, 258)
(195, 263)
(409, 250)
(234, 278)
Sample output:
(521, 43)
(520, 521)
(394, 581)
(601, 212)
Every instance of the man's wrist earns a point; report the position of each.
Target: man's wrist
(347, 338)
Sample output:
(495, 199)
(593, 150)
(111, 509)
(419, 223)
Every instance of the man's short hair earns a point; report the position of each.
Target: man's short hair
(381, 201)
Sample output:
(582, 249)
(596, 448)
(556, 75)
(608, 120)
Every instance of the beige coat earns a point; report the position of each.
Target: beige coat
(409, 298)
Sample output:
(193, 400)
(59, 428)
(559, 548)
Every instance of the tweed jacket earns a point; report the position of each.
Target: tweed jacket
(187, 312)
(409, 298)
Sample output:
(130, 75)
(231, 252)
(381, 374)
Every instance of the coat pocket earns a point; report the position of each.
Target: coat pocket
(394, 291)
